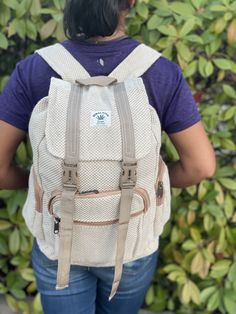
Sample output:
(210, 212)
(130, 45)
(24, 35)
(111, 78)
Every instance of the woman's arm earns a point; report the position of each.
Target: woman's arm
(197, 157)
(11, 176)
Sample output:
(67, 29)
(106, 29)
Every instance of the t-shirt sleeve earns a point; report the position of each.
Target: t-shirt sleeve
(15, 100)
(179, 110)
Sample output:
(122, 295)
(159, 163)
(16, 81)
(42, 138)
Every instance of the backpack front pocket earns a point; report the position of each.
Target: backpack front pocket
(95, 225)
(100, 208)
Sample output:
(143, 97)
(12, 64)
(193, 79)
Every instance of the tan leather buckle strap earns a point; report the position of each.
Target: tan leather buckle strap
(65, 233)
(70, 183)
(97, 80)
(128, 179)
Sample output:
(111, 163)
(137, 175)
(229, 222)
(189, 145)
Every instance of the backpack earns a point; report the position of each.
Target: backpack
(99, 191)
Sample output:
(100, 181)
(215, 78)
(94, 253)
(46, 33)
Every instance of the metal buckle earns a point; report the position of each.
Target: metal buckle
(69, 175)
(129, 175)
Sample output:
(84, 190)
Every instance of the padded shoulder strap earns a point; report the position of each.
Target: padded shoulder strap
(63, 63)
(136, 63)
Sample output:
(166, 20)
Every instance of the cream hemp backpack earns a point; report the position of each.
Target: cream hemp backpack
(99, 191)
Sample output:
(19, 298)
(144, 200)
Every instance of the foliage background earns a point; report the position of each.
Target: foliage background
(197, 268)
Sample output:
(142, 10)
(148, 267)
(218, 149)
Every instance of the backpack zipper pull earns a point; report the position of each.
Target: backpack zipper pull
(57, 221)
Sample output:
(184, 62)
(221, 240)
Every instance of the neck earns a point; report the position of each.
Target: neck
(119, 32)
(116, 35)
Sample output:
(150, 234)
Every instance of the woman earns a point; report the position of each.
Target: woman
(97, 39)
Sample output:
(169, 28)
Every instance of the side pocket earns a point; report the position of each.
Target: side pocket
(37, 228)
(163, 198)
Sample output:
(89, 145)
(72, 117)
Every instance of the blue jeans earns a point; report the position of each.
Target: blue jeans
(90, 287)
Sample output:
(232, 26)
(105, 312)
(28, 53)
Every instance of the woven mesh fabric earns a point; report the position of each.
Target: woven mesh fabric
(99, 169)
(102, 243)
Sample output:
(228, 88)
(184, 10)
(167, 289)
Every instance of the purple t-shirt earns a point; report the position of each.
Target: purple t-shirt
(166, 87)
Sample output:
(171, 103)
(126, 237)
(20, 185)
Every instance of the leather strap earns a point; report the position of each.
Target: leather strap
(97, 80)
(128, 179)
(70, 187)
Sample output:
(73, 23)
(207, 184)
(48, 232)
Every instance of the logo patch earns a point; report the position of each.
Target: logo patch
(100, 119)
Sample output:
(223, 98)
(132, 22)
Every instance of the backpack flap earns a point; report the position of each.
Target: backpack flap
(98, 120)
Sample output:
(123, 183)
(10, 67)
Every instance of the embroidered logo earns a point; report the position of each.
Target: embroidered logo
(100, 119)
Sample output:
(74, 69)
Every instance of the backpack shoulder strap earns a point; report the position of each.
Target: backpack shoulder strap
(136, 63)
(63, 63)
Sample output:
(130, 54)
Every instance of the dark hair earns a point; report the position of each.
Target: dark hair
(92, 17)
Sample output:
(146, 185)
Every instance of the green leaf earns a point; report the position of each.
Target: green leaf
(48, 29)
(27, 274)
(18, 293)
(169, 30)
(222, 64)
(202, 64)
(228, 144)
(37, 304)
(12, 303)
(184, 51)
(182, 8)
(220, 269)
(229, 91)
(191, 69)
(218, 8)
(5, 224)
(142, 10)
(5, 14)
(21, 153)
(13, 4)
(230, 303)
(194, 39)
(228, 183)
(31, 30)
(189, 245)
(3, 41)
(195, 234)
(14, 241)
(224, 172)
(187, 27)
(232, 273)
(35, 7)
(213, 301)
(3, 246)
(150, 296)
(209, 68)
(23, 8)
(154, 22)
(5, 194)
(206, 293)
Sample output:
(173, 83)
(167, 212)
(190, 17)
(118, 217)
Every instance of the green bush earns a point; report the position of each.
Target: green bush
(197, 268)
